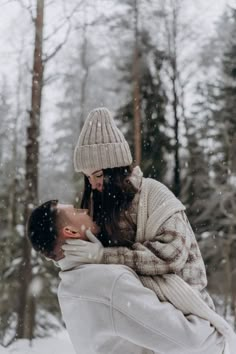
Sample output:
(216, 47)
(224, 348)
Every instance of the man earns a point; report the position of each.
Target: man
(106, 308)
(52, 223)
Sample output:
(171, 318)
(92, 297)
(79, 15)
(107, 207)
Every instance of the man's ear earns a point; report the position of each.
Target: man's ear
(70, 232)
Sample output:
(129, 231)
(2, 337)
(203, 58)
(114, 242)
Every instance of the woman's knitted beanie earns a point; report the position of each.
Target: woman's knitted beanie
(101, 144)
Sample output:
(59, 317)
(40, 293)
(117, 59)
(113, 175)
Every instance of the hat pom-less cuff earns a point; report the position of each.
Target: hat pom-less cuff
(102, 156)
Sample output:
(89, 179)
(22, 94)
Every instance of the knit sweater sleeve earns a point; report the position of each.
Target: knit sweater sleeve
(166, 253)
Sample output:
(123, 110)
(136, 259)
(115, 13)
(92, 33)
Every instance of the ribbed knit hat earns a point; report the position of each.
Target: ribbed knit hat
(101, 144)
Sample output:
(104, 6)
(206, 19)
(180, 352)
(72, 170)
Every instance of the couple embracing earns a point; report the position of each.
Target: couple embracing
(133, 280)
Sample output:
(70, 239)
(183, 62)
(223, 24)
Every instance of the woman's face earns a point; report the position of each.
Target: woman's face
(96, 179)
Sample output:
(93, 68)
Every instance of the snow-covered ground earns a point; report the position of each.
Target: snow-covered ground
(59, 344)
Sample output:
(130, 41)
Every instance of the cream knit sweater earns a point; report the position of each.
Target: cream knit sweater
(168, 261)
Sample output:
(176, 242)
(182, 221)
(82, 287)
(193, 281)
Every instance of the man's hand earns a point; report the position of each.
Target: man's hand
(84, 251)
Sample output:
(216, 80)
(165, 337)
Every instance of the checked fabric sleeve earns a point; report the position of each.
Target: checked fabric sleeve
(168, 252)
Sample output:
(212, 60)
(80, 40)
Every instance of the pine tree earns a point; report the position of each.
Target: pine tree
(225, 120)
(220, 209)
(196, 189)
(155, 142)
(225, 116)
(153, 100)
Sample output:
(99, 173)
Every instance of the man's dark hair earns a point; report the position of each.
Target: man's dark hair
(41, 227)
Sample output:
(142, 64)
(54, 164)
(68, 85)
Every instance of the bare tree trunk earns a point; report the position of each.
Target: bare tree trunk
(13, 204)
(233, 155)
(234, 307)
(175, 103)
(136, 94)
(26, 312)
(172, 32)
(228, 275)
(177, 185)
(233, 302)
(85, 68)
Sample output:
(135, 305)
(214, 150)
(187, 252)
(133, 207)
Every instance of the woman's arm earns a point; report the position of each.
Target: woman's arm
(166, 253)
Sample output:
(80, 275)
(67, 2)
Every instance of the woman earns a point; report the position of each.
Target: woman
(143, 224)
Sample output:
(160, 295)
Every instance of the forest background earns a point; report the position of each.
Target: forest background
(167, 69)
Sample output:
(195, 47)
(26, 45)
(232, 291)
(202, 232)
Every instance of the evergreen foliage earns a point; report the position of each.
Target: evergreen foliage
(154, 125)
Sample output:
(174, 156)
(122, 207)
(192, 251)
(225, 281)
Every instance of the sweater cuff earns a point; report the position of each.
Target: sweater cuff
(112, 255)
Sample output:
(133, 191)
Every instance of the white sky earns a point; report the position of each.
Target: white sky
(202, 14)
(15, 24)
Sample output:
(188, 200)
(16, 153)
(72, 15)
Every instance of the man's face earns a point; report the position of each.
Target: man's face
(96, 179)
(77, 220)
(72, 223)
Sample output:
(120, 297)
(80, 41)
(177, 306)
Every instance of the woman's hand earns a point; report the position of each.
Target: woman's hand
(84, 251)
